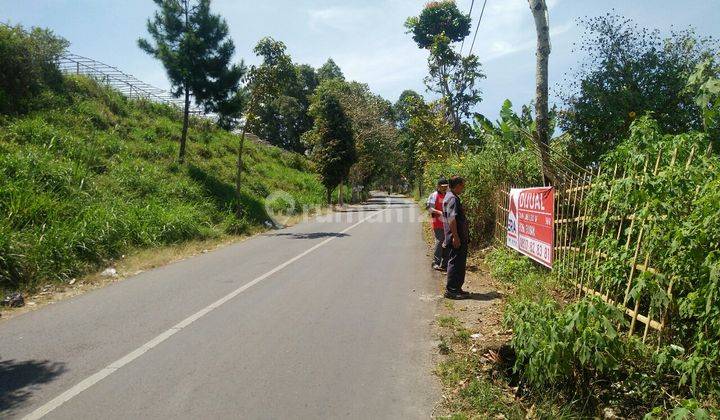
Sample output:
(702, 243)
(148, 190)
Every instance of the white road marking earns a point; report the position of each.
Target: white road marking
(112, 367)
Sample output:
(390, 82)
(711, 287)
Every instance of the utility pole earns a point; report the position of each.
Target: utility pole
(541, 135)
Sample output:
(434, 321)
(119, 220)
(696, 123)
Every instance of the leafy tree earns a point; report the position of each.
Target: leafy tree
(704, 83)
(280, 92)
(431, 137)
(455, 78)
(331, 139)
(373, 131)
(630, 71)
(403, 111)
(438, 18)
(308, 81)
(193, 45)
(230, 110)
(512, 130)
(29, 66)
(451, 75)
(330, 70)
(435, 137)
(404, 106)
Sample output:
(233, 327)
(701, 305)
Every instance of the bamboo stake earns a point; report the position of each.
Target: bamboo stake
(664, 317)
(554, 229)
(583, 237)
(559, 267)
(647, 254)
(605, 214)
(637, 304)
(568, 239)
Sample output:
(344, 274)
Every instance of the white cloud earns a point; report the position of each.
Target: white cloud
(383, 68)
(508, 27)
(339, 18)
(378, 52)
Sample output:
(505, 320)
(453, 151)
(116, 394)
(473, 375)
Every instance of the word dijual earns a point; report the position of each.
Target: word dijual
(531, 200)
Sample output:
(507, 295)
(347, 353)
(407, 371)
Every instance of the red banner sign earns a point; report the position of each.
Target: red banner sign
(530, 223)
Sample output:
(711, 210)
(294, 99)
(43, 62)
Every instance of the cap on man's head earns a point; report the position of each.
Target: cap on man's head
(442, 181)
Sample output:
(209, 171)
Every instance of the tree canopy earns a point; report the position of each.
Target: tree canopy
(280, 96)
(330, 70)
(28, 61)
(438, 18)
(331, 139)
(454, 77)
(629, 71)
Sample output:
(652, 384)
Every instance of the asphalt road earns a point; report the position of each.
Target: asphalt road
(327, 319)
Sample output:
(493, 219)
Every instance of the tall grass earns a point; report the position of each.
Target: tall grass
(93, 174)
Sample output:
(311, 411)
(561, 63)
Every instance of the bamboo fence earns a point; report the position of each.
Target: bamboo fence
(585, 230)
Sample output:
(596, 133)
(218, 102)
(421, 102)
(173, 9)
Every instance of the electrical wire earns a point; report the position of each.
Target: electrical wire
(482, 12)
(469, 14)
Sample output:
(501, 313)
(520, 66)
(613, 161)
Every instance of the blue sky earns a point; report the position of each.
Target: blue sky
(366, 38)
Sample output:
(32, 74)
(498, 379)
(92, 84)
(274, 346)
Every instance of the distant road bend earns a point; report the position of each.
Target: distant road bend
(325, 319)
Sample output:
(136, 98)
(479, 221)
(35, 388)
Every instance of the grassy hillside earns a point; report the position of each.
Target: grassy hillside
(91, 175)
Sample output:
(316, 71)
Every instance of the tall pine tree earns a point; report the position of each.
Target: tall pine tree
(195, 50)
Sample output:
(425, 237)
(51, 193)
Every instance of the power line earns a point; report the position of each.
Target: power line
(469, 14)
(482, 12)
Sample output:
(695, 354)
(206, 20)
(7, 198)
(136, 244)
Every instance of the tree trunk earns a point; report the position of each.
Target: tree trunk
(238, 176)
(341, 200)
(420, 188)
(542, 135)
(186, 88)
(186, 121)
(329, 196)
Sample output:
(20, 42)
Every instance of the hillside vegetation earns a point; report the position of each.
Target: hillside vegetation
(87, 175)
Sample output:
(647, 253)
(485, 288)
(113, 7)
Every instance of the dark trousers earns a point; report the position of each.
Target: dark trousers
(440, 254)
(457, 262)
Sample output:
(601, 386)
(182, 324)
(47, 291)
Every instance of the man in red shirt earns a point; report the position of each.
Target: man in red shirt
(434, 205)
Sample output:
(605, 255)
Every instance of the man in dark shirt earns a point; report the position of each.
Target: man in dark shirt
(456, 239)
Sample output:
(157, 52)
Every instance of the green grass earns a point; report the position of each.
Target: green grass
(448, 321)
(94, 175)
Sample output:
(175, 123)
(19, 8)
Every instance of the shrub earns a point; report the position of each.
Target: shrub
(678, 206)
(509, 266)
(235, 226)
(565, 347)
(28, 62)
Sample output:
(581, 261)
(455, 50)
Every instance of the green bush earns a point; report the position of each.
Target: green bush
(577, 347)
(565, 347)
(28, 62)
(679, 208)
(509, 266)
